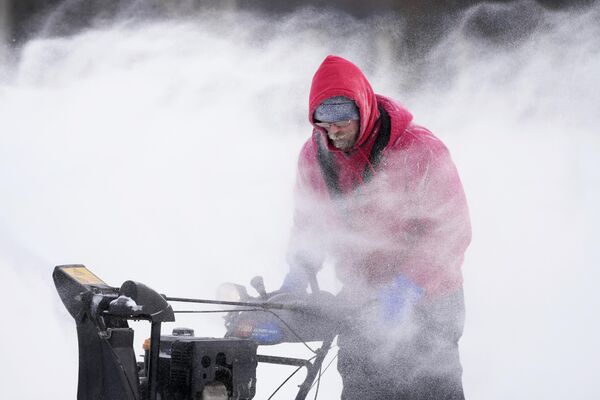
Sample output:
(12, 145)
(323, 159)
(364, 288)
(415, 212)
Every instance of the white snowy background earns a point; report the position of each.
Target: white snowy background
(164, 151)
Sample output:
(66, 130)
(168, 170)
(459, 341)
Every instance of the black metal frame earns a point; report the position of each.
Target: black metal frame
(95, 325)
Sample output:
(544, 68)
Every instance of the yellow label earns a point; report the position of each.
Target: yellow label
(83, 276)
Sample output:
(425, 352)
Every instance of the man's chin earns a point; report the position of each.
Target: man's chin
(342, 146)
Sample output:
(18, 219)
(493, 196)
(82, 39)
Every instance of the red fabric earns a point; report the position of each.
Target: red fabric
(411, 218)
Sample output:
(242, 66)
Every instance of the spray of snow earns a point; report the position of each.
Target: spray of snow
(164, 151)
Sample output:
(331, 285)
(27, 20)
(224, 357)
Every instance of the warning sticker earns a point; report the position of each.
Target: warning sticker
(83, 276)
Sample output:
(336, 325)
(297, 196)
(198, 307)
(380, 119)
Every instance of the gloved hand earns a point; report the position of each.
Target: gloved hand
(398, 298)
(296, 281)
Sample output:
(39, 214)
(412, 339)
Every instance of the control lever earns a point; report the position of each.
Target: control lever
(259, 285)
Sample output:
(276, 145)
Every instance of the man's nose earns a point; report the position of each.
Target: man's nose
(333, 131)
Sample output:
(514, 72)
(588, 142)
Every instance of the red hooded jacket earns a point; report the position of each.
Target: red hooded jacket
(411, 218)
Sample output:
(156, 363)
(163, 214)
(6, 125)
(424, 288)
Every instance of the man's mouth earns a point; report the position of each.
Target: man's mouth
(340, 144)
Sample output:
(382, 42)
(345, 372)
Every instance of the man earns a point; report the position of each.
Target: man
(380, 197)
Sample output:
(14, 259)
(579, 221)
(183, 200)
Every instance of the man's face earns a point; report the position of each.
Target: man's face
(343, 138)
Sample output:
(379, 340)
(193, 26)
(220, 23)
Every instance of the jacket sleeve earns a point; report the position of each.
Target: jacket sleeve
(434, 227)
(307, 244)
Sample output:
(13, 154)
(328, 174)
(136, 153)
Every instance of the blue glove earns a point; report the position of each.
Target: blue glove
(296, 281)
(398, 298)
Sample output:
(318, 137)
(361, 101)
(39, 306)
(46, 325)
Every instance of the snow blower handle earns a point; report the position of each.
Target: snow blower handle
(312, 280)
(259, 285)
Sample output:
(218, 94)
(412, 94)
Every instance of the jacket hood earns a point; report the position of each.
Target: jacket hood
(337, 76)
